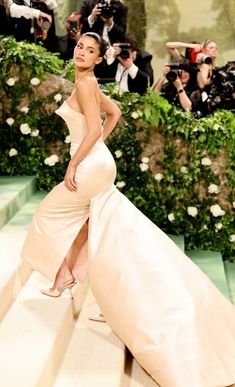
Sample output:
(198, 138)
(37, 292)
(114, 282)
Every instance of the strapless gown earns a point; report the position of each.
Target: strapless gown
(176, 323)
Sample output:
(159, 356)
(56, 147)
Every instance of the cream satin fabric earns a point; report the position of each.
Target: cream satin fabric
(176, 323)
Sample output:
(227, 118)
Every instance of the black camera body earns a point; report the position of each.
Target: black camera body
(175, 71)
(108, 8)
(125, 50)
(221, 93)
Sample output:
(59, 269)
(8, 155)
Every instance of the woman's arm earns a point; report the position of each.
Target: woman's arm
(113, 114)
(173, 47)
(86, 90)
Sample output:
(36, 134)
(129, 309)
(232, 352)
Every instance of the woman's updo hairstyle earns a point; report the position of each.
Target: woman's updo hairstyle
(102, 43)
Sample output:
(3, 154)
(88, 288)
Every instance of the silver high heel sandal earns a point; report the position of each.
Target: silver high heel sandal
(56, 292)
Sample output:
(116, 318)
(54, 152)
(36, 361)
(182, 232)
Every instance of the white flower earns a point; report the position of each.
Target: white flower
(213, 188)
(25, 129)
(144, 167)
(51, 160)
(205, 227)
(35, 81)
(192, 211)
(67, 139)
(171, 217)
(135, 115)
(58, 97)
(10, 121)
(118, 153)
(11, 81)
(232, 238)
(206, 161)
(13, 152)
(218, 226)
(145, 160)
(216, 210)
(233, 204)
(24, 109)
(158, 176)
(184, 169)
(35, 133)
(120, 184)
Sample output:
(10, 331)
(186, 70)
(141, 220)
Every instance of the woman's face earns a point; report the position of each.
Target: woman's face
(86, 53)
(185, 76)
(211, 49)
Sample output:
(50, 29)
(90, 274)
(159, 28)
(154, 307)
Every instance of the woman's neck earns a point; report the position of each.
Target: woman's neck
(81, 74)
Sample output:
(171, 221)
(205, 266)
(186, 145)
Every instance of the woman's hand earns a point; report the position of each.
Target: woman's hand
(69, 179)
(46, 16)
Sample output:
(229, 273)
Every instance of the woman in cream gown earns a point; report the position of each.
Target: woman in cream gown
(172, 318)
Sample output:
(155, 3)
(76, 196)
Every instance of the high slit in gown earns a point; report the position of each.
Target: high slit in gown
(176, 323)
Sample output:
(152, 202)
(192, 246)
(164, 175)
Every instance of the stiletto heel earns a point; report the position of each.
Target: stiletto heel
(57, 293)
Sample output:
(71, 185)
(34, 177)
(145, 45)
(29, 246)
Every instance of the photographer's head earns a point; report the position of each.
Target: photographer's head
(127, 49)
(209, 47)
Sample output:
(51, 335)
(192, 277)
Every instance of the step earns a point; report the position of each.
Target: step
(211, 263)
(35, 332)
(15, 191)
(95, 356)
(230, 275)
(13, 271)
(179, 240)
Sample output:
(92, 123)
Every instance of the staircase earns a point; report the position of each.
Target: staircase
(45, 343)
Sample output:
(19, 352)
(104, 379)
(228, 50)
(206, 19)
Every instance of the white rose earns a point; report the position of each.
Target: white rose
(205, 227)
(158, 176)
(143, 167)
(206, 161)
(35, 133)
(171, 217)
(135, 115)
(11, 81)
(13, 152)
(232, 238)
(145, 160)
(35, 81)
(51, 160)
(120, 184)
(184, 169)
(10, 121)
(67, 139)
(213, 188)
(24, 109)
(192, 211)
(218, 226)
(233, 204)
(58, 97)
(25, 129)
(216, 210)
(118, 153)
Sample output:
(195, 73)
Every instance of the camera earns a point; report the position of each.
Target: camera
(125, 50)
(45, 24)
(202, 58)
(175, 71)
(108, 7)
(221, 93)
(73, 25)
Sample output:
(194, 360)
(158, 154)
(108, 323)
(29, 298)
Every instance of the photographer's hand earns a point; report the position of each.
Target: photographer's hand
(44, 15)
(94, 13)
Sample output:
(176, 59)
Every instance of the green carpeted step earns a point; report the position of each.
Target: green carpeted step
(15, 191)
(13, 271)
(230, 276)
(179, 240)
(211, 263)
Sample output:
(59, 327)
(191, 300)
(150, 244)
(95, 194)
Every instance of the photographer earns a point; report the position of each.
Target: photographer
(33, 21)
(128, 65)
(108, 18)
(181, 88)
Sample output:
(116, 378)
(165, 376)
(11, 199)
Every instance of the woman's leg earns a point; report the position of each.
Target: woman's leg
(74, 262)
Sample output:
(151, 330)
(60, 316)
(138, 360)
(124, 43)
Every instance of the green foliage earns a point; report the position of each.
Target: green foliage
(172, 166)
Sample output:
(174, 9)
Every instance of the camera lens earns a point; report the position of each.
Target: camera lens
(46, 25)
(172, 75)
(124, 54)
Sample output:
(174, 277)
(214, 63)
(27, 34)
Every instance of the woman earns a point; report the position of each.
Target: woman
(173, 319)
(204, 54)
(181, 89)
